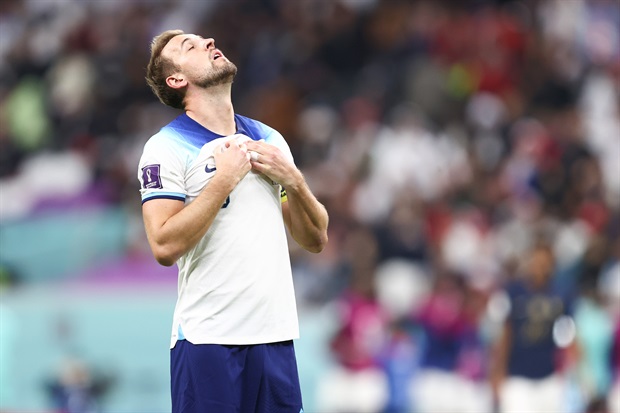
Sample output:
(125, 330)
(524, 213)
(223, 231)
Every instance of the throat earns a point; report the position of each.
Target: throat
(219, 119)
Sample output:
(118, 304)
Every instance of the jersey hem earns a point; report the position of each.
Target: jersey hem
(178, 198)
(237, 341)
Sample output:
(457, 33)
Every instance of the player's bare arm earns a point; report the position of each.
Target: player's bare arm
(305, 217)
(173, 228)
(499, 360)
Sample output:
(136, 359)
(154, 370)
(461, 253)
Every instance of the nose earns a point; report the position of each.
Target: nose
(209, 43)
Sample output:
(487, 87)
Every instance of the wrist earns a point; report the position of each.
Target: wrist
(225, 182)
(296, 182)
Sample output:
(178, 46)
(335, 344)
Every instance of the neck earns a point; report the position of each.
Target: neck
(213, 109)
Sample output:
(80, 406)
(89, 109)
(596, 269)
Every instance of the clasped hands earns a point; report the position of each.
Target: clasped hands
(240, 154)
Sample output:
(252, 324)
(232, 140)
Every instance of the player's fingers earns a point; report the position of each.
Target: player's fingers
(258, 146)
(254, 155)
(260, 167)
(231, 142)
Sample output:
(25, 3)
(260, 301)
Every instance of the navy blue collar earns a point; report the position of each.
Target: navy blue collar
(197, 135)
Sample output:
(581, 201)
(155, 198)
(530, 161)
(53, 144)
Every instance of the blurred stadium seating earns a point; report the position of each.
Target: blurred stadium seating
(442, 136)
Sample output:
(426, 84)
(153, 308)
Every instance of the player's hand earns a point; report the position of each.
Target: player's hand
(232, 160)
(270, 161)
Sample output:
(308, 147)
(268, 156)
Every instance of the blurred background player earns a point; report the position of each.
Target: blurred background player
(527, 365)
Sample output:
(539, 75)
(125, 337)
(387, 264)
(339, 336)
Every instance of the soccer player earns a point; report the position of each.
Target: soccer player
(525, 375)
(217, 191)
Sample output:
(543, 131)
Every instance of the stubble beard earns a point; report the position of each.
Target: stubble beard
(219, 76)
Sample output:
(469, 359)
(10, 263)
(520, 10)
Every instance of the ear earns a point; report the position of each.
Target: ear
(176, 81)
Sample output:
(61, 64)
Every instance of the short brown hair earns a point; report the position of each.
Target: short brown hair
(159, 68)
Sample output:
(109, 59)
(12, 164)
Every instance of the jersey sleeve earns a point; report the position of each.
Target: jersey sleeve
(161, 171)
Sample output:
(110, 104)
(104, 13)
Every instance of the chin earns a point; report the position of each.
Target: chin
(220, 76)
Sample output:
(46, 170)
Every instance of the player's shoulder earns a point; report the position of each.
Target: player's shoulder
(167, 139)
(517, 289)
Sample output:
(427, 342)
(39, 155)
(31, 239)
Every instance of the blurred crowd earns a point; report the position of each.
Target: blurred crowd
(468, 152)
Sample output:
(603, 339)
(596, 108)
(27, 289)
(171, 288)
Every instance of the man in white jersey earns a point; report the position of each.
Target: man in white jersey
(218, 190)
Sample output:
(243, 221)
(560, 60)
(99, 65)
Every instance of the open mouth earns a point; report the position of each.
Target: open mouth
(217, 55)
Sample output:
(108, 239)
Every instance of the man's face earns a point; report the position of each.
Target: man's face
(541, 265)
(200, 62)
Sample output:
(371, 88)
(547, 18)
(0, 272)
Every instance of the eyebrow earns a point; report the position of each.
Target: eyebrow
(186, 39)
(183, 42)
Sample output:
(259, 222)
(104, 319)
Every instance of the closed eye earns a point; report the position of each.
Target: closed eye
(187, 44)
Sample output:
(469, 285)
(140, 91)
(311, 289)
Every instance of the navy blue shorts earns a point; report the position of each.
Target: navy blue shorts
(212, 378)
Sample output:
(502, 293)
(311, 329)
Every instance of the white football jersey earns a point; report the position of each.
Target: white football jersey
(235, 286)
